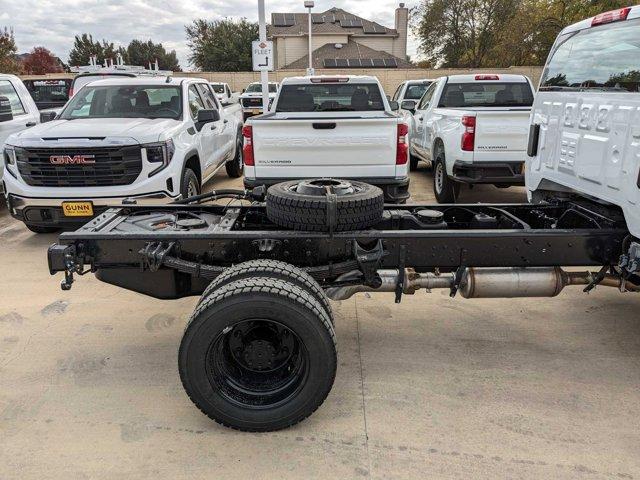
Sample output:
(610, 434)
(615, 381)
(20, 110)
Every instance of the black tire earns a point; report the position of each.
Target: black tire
(445, 189)
(302, 205)
(230, 375)
(189, 184)
(264, 268)
(41, 229)
(413, 163)
(235, 167)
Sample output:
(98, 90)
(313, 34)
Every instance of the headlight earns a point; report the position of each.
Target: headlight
(10, 156)
(160, 153)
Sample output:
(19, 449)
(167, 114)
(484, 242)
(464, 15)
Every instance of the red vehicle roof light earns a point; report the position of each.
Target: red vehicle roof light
(610, 17)
(487, 77)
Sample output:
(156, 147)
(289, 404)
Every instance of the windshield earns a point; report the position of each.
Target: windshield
(330, 97)
(415, 91)
(125, 101)
(599, 58)
(217, 87)
(489, 94)
(257, 88)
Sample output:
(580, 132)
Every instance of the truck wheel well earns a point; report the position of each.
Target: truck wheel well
(193, 162)
(438, 146)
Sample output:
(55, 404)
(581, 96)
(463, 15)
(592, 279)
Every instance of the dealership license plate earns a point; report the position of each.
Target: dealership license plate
(77, 209)
(256, 111)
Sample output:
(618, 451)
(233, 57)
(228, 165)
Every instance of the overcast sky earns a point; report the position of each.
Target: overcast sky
(53, 23)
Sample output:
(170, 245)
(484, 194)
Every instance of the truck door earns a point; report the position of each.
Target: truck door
(21, 116)
(422, 141)
(207, 134)
(224, 142)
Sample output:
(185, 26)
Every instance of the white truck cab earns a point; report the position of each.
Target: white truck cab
(223, 92)
(585, 134)
(330, 126)
(411, 90)
(473, 129)
(251, 98)
(143, 140)
(18, 111)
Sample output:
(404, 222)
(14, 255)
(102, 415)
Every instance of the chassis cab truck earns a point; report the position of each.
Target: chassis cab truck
(259, 352)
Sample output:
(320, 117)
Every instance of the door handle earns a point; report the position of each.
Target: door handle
(323, 126)
(30, 124)
(226, 121)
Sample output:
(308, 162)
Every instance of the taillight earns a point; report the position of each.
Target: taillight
(247, 149)
(469, 135)
(610, 17)
(487, 77)
(402, 152)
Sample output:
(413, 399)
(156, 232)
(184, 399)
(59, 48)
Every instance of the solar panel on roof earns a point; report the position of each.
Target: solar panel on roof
(366, 62)
(354, 63)
(278, 20)
(373, 28)
(342, 62)
(390, 63)
(330, 63)
(357, 23)
(317, 18)
(330, 18)
(378, 62)
(289, 19)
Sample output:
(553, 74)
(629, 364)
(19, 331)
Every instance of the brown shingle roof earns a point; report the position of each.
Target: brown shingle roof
(301, 26)
(349, 50)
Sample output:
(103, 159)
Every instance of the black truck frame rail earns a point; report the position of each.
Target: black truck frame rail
(259, 352)
(175, 251)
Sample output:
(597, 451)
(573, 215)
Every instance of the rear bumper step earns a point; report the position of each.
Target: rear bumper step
(505, 173)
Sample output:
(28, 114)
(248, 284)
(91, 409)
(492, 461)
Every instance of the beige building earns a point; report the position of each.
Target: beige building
(340, 40)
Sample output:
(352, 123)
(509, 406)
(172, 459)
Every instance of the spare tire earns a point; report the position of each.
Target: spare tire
(325, 205)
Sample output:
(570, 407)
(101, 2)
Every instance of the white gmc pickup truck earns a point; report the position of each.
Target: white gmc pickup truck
(473, 129)
(143, 140)
(341, 127)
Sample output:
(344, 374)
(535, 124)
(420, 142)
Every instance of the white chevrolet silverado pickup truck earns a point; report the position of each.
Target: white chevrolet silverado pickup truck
(473, 129)
(144, 140)
(341, 127)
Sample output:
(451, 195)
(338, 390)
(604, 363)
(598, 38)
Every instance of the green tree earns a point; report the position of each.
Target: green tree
(143, 53)
(221, 45)
(8, 50)
(84, 47)
(497, 33)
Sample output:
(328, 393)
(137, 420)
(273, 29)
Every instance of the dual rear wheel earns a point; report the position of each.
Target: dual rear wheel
(259, 352)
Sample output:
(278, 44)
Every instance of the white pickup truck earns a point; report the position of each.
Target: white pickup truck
(341, 127)
(473, 129)
(18, 111)
(251, 99)
(143, 140)
(223, 92)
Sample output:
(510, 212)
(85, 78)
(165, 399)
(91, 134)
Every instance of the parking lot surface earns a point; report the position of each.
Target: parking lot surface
(432, 388)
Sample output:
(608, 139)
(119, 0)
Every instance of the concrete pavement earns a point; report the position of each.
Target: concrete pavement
(434, 388)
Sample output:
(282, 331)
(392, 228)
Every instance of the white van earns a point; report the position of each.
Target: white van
(585, 132)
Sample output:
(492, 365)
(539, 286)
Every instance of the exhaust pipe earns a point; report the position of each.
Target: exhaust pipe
(484, 282)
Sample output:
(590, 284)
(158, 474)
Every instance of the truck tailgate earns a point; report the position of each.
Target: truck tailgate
(303, 147)
(501, 134)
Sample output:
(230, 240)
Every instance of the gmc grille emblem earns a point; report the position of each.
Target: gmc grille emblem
(69, 160)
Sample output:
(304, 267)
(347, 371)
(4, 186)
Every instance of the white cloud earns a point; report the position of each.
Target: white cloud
(53, 23)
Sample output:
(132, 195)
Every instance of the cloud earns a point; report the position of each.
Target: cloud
(53, 24)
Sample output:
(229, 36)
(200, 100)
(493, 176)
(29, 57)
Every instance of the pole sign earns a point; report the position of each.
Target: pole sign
(262, 56)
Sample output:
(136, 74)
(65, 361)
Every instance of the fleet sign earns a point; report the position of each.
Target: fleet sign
(262, 56)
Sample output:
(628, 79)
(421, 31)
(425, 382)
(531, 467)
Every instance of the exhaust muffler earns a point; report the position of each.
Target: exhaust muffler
(484, 282)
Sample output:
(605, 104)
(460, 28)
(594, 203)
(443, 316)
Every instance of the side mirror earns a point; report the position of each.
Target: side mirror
(6, 114)
(47, 116)
(393, 105)
(388, 98)
(409, 105)
(244, 90)
(206, 116)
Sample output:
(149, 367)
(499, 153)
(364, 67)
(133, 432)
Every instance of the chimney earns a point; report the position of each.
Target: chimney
(402, 27)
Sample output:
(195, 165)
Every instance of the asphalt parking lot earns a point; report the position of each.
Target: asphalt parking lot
(432, 388)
